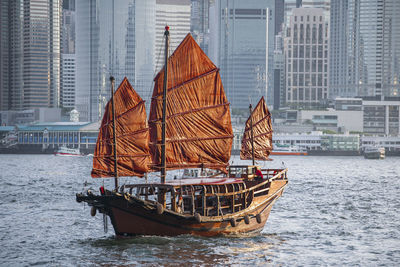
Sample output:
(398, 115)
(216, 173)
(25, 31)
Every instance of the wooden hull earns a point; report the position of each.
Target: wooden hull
(136, 217)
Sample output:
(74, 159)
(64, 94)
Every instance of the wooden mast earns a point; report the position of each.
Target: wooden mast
(252, 133)
(112, 80)
(163, 157)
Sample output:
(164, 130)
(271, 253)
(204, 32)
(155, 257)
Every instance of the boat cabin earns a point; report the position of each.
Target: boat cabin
(208, 196)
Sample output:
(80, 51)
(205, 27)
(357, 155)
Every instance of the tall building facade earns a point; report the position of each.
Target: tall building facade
(113, 38)
(365, 55)
(306, 53)
(68, 77)
(243, 48)
(199, 22)
(175, 14)
(68, 32)
(323, 4)
(30, 47)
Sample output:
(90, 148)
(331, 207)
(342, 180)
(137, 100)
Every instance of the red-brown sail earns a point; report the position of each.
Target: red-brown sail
(132, 135)
(198, 122)
(260, 118)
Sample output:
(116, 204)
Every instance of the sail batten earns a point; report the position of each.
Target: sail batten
(198, 124)
(132, 133)
(260, 122)
(189, 112)
(155, 97)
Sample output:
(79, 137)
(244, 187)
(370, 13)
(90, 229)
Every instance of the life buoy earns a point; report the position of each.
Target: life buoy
(160, 209)
(197, 216)
(93, 211)
(247, 219)
(258, 218)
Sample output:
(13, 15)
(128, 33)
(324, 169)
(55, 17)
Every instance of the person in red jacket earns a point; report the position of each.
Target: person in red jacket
(258, 173)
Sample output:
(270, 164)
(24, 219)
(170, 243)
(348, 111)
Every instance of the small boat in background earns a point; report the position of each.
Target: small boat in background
(65, 151)
(288, 150)
(374, 152)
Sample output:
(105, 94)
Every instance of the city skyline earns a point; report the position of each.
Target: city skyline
(87, 42)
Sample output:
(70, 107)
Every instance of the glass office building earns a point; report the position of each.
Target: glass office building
(365, 51)
(242, 46)
(306, 53)
(113, 38)
(30, 54)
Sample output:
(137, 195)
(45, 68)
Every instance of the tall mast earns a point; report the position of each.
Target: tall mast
(112, 80)
(163, 160)
(252, 133)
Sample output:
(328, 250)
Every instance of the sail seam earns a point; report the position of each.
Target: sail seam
(190, 111)
(185, 82)
(260, 135)
(194, 139)
(127, 134)
(123, 114)
(123, 156)
(258, 122)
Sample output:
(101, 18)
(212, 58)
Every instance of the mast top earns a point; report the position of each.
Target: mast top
(112, 79)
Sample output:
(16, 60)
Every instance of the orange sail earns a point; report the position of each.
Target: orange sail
(132, 134)
(260, 118)
(198, 122)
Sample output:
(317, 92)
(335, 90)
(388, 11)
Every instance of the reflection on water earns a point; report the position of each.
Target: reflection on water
(335, 211)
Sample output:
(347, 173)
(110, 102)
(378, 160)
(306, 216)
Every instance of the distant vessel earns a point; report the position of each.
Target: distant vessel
(65, 151)
(374, 152)
(288, 150)
(192, 131)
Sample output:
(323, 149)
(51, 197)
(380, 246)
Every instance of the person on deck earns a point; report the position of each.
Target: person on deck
(259, 175)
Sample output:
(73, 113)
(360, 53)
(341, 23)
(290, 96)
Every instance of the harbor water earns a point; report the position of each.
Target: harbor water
(336, 211)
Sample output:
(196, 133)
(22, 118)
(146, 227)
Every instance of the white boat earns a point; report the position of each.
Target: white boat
(288, 150)
(374, 152)
(65, 151)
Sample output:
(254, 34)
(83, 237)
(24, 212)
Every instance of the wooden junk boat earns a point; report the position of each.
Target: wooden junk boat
(189, 127)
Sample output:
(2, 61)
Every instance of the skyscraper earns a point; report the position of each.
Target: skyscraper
(68, 71)
(113, 38)
(30, 53)
(306, 53)
(365, 51)
(175, 14)
(68, 77)
(199, 24)
(243, 47)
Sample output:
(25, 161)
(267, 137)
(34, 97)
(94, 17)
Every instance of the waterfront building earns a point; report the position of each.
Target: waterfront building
(47, 137)
(30, 54)
(335, 120)
(175, 14)
(28, 116)
(381, 116)
(113, 38)
(315, 142)
(306, 53)
(390, 143)
(243, 48)
(348, 103)
(364, 50)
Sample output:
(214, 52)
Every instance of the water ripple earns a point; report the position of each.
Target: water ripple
(336, 211)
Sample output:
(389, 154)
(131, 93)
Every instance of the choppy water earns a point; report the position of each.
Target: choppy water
(342, 211)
